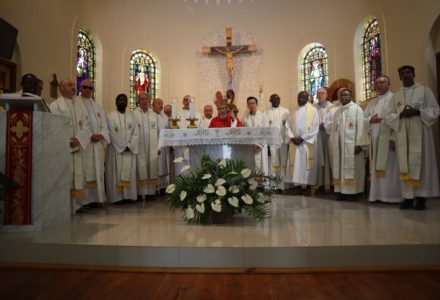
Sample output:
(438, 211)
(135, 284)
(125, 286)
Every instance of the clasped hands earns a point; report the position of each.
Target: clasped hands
(409, 112)
(297, 140)
(96, 137)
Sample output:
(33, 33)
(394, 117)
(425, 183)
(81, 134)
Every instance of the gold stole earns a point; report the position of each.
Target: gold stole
(348, 125)
(410, 138)
(151, 158)
(77, 157)
(125, 128)
(309, 147)
(383, 144)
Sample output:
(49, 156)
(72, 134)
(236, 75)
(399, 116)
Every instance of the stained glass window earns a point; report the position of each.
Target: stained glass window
(85, 58)
(314, 69)
(371, 58)
(143, 76)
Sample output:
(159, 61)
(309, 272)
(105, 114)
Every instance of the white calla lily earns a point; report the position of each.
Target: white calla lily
(171, 188)
(261, 198)
(220, 181)
(209, 189)
(253, 184)
(247, 199)
(246, 172)
(216, 206)
(206, 176)
(178, 160)
(201, 198)
(200, 208)
(222, 163)
(233, 201)
(221, 191)
(189, 213)
(186, 167)
(232, 173)
(182, 195)
(234, 189)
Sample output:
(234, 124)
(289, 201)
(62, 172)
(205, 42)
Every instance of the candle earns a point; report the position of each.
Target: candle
(173, 110)
(191, 109)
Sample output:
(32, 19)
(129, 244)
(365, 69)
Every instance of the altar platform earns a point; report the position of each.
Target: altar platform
(303, 233)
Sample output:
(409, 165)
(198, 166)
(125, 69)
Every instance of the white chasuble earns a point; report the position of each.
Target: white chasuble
(348, 131)
(414, 140)
(98, 122)
(80, 129)
(121, 156)
(384, 171)
(259, 119)
(301, 161)
(147, 168)
(279, 117)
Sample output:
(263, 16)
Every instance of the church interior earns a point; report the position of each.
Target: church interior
(303, 234)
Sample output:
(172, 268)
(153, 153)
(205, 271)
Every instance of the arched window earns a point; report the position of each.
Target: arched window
(314, 69)
(85, 58)
(143, 75)
(371, 57)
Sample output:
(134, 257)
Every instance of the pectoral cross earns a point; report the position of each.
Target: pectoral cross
(229, 51)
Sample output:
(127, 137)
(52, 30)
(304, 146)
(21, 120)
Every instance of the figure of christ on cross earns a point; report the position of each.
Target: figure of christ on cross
(229, 51)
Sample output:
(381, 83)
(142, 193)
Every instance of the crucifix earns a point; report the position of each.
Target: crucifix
(229, 51)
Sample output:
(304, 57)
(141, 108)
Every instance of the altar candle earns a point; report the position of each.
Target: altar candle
(191, 109)
(173, 110)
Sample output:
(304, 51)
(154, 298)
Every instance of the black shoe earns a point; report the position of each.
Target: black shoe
(406, 204)
(120, 202)
(342, 197)
(420, 203)
(81, 210)
(95, 205)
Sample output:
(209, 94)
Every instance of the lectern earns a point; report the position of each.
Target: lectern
(34, 152)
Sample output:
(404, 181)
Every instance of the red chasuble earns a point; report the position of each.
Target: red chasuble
(218, 122)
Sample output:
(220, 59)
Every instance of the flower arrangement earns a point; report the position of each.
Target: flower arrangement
(218, 188)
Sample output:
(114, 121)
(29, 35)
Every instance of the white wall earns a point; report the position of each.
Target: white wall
(174, 30)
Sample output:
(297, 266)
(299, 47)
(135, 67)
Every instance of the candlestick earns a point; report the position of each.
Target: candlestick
(191, 109)
(173, 109)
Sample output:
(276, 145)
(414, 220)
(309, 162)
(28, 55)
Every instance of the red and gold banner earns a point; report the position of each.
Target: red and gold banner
(19, 167)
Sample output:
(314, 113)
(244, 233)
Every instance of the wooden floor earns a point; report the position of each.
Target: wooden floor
(31, 283)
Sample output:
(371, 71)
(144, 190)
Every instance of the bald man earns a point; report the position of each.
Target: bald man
(207, 116)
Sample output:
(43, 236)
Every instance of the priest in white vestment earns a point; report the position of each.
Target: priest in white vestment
(256, 118)
(302, 163)
(95, 195)
(322, 156)
(182, 152)
(384, 171)
(279, 117)
(68, 105)
(412, 113)
(349, 138)
(147, 156)
(207, 116)
(164, 153)
(121, 155)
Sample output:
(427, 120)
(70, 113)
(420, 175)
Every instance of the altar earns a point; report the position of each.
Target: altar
(220, 143)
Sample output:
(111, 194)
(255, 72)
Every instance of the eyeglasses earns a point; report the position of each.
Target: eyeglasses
(87, 87)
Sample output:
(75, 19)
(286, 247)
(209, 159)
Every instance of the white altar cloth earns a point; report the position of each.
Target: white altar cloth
(217, 136)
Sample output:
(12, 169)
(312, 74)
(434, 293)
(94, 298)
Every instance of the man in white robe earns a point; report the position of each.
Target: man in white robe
(384, 171)
(164, 153)
(349, 139)
(302, 163)
(412, 113)
(182, 153)
(207, 116)
(121, 155)
(147, 156)
(256, 118)
(279, 117)
(95, 195)
(322, 156)
(75, 109)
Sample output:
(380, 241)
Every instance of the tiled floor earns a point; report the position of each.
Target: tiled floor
(301, 232)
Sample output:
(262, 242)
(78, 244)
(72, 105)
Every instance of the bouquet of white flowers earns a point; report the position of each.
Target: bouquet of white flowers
(219, 188)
